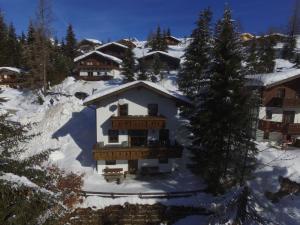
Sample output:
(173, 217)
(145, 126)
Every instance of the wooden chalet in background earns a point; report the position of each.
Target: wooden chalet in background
(127, 42)
(96, 65)
(113, 48)
(87, 45)
(171, 40)
(12, 77)
(168, 62)
(279, 114)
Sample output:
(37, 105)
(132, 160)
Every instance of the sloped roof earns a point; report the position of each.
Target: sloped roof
(272, 79)
(113, 58)
(174, 38)
(108, 92)
(159, 52)
(111, 43)
(13, 69)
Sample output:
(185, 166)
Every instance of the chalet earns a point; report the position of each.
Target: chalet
(247, 37)
(113, 48)
(172, 40)
(96, 65)
(87, 45)
(127, 42)
(168, 61)
(11, 76)
(279, 114)
(137, 125)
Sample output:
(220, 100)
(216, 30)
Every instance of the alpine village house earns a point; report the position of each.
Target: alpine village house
(136, 126)
(279, 114)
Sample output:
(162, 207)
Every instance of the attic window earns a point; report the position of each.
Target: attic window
(113, 136)
(123, 110)
(152, 109)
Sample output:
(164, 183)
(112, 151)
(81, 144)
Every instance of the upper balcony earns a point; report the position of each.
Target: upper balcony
(138, 122)
(283, 102)
(118, 152)
(271, 126)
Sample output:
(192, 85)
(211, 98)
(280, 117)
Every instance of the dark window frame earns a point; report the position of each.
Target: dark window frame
(113, 136)
(110, 162)
(269, 114)
(123, 110)
(152, 109)
(163, 160)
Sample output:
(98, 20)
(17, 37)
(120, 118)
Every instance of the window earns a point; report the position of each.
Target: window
(269, 114)
(123, 110)
(90, 73)
(281, 93)
(163, 161)
(152, 109)
(89, 63)
(110, 162)
(113, 136)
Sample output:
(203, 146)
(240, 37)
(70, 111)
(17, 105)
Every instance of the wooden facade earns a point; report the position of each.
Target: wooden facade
(138, 122)
(95, 67)
(167, 62)
(135, 153)
(127, 43)
(282, 97)
(114, 50)
(172, 40)
(11, 78)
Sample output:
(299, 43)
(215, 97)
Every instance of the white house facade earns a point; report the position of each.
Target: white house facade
(137, 125)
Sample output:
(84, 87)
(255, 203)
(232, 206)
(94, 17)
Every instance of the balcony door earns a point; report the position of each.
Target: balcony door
(288, 117)
(137, 138)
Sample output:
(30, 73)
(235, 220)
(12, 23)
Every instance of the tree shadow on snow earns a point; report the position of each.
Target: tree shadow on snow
(82, 128)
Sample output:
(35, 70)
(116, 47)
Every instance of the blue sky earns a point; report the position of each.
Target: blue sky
(114, 19)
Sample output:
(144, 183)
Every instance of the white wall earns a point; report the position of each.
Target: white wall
(277, 113)
(137, 100)
(119, 164)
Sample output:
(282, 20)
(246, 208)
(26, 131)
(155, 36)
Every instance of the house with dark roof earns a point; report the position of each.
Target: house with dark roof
(113, 48)
(12, 77)
(279, 114)
(96, 65)
(167, 61)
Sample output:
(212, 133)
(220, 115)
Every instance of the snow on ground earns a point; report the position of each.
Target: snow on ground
(69, 127)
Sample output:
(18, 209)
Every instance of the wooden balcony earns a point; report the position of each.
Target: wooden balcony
(135, 153)
(138, 122)
(284, 102)
(271, 126)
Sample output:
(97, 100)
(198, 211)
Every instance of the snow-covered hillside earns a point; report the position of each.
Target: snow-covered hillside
(69, 128)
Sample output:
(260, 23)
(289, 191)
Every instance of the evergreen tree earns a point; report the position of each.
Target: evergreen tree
(71, 43)
(168, 32)
(3, 40)
(129, 65)
(195, 69)
(253, 58)
(157, 41)
(223, 152)
(267, 55)
(13, 46)
(156, 65)
(142, 70)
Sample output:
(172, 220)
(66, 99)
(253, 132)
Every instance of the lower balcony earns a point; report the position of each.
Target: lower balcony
(116, 152)
(286, 128)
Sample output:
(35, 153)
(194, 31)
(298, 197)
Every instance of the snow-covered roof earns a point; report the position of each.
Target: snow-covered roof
(159, 52)
(111, 43)
(13, 69)
(113, 58)
(272, 79)
(175, 38)
(124, 87)
(95, 41)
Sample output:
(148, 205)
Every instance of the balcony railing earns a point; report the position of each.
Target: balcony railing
(283, 102)
(138, 122)
(271, 126)
(116, 152)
